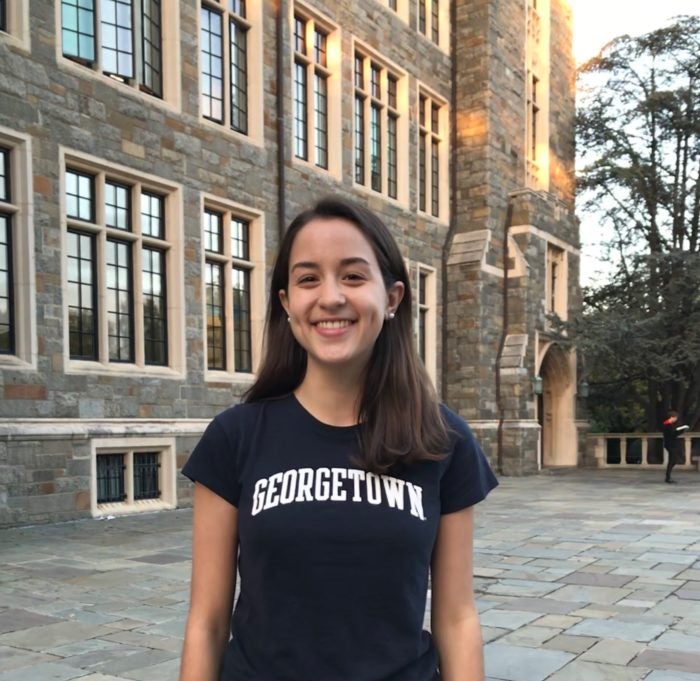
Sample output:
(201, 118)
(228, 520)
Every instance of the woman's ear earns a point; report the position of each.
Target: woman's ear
(283, 299)
(395, 295)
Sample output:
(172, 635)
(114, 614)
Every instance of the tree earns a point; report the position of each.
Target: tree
(638, 136)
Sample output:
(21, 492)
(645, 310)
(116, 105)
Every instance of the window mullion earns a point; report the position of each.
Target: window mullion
(97, 64)
(226, 48)
(137, 280)
(129, 477)
(228, 294)
(137, 40)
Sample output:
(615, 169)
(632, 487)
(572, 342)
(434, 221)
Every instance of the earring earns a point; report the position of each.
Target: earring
(390, 315)
(289, 320)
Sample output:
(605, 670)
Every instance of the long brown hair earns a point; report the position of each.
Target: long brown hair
(399, 416)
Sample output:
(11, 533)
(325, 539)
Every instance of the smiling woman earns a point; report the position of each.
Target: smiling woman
(338, 486)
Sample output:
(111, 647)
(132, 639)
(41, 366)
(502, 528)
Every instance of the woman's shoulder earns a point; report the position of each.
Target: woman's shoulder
(247, 413)
(456, 425)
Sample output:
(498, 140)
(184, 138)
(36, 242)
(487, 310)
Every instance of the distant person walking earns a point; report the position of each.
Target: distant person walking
(671, 430)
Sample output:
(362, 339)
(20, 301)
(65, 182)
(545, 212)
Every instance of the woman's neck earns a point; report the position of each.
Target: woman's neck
(332, 399)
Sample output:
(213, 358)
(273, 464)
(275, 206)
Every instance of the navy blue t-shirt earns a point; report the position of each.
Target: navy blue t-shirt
(333, 560)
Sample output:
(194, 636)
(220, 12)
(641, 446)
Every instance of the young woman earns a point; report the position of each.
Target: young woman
(337, 486)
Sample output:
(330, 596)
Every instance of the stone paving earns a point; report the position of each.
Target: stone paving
(580, 576)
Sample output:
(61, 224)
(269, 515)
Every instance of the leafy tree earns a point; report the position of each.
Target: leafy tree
(638, 136)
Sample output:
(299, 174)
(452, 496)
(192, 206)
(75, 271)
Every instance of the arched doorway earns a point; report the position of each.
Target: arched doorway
(555, 407)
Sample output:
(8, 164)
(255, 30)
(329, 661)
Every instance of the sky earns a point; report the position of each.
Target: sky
(596, 22)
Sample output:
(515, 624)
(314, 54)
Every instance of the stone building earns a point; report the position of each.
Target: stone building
(151, 155)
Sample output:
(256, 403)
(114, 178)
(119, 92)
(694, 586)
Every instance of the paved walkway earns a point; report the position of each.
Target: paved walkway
(582, 576)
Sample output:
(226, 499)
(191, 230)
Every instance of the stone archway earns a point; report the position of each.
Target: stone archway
(556, 408)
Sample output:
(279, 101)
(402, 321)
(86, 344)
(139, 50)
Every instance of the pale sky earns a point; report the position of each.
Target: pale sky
(596, 22)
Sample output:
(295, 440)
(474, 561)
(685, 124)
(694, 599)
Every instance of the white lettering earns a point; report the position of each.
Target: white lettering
(356, 476)
(393, 490)
(306, 480)
(323, 488)
(289, 483)
(374, 489)
(337, 493)
(415, 497)
(272, 498)
(259, 496)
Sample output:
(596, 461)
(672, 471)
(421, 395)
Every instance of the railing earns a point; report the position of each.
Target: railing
(639, 450)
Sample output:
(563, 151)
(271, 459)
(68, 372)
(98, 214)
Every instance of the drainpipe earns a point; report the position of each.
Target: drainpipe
(281, 137)
(501, 345)
(453, 192)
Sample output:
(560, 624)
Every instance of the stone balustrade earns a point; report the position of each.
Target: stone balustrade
(639, 450)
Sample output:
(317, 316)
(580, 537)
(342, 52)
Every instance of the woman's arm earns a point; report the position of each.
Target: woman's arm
(214, 547)
(455, 619)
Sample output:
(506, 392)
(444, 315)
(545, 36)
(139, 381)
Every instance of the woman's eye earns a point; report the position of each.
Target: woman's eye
(354, 276)
(308, 279)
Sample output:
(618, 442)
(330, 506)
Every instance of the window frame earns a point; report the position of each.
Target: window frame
(252, 131)
(432, 169)
(433, 22)
(165, 448)
(227, 261)
(170, 245)
(169, 29)
(306, 62)
(22, 278)
(425, 309)
(556, 292)
(371, 88)
(16, 25)
(536, 95)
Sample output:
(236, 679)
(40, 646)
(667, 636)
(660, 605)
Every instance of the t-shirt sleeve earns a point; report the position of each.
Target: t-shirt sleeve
(467, 478)
(213, 463)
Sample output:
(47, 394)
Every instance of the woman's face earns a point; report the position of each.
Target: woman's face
(336, 298)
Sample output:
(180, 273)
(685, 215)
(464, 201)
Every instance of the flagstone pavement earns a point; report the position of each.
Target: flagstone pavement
(580, 576)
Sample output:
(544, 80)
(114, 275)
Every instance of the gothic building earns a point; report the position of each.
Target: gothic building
(152, 153)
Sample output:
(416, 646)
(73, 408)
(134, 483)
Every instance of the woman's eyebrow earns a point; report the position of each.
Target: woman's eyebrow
(307, 265)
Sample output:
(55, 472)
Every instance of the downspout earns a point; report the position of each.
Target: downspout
(453, 192)
(281, 138)
(500, 407)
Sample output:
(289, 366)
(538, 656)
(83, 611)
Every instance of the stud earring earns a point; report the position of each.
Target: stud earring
(390, 315)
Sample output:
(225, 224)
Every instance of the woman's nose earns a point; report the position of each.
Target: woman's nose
(331, 294)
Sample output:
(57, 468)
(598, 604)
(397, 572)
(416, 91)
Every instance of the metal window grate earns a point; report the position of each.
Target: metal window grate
(110, 478)
(146, 475)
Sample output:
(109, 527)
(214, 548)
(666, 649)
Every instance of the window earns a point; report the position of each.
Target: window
(377, 126)
(112, 476)
(431, 17)
(14, 23)
(230, 275)
(425, 324)
(537, 95)
(7, 210)
(18, 341)
(120, 38)
(432, 169)
(224, 59)
(131, 476)
(556, 284)
(118, 251)
(311, 77)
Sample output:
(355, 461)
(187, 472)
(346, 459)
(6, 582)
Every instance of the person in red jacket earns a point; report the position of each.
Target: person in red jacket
(671, 430)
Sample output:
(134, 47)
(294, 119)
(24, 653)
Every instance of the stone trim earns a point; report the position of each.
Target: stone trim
(536, 231)
(24, 276)
(81, 429)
